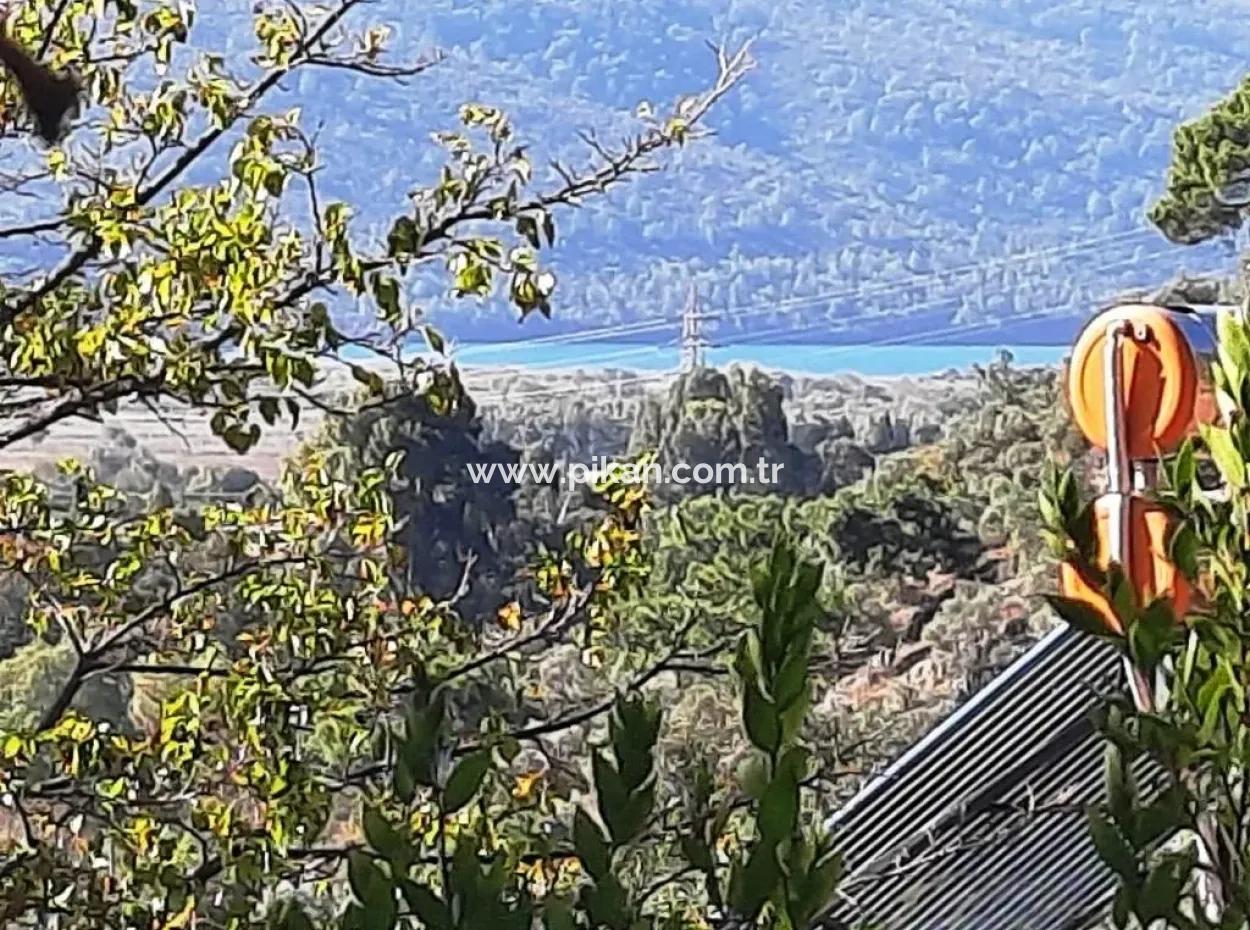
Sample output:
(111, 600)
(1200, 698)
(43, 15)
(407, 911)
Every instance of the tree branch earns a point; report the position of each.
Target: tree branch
(91, 249)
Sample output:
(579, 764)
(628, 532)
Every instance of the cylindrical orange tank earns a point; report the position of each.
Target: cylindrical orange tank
(1150, 571)
(1166, 390)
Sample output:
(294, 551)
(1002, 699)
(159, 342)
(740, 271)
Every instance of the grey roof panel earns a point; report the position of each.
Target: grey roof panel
(981, 825)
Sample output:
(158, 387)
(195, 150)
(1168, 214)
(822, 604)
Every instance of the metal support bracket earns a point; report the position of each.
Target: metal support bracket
(1120, 477)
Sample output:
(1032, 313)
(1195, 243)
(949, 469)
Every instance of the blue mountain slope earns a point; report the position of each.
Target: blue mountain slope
(875, 143)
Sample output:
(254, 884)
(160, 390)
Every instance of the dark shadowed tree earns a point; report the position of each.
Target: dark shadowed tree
(731, 417)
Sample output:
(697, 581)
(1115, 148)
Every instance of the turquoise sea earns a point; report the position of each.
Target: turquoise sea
(811, 359)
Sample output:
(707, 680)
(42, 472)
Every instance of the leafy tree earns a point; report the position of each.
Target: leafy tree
(1208, 188)
(778, 868)
(460, 538)
(933, 568)
(192, 261)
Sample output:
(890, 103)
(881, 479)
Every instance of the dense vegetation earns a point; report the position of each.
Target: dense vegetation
(311, 734)
(875, 144)
(927, 562)
(367, 694)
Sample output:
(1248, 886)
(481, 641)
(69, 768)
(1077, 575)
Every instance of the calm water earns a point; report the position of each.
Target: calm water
(815, 359)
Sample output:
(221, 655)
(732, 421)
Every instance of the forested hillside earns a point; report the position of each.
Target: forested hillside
(875, 142)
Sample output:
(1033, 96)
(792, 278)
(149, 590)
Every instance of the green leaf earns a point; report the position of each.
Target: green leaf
(761, 585)
(1120, 796)
(607, 904)
(241, 438)
(779, 807)
(760, 718)
(611, 793)
(634, 728)
(1080, 616)
(817, 888)
(428, 907)
(1123, 597)
(422, 729)
(1069, 496)
(1153, 634)
(291, 916)
(1081, 530)
(1161, 892)
(370, 379)
(792, 679)
(527, 227)
(404, 239)
(466, 870)
(405, 782)
(1111, 846)
(465, 780)
(793, 716)
(373, 891)
(1048, 510)
(750, 886)
(558, 915)
(384, 839)
(1163, 816)
(1210, 701)
(627, 823)
(1227, 458)
(749, 660)
(1184, 550)
(697, 852)
(386, 293)
(1185, 471)
(364, 876)
(591, 846)
(435, 340)
(1233, 348)
(1121, 907)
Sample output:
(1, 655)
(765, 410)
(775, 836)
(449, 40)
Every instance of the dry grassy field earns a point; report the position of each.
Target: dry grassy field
(185, 439)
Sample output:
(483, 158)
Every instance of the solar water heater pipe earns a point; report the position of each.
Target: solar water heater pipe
(1120, 480)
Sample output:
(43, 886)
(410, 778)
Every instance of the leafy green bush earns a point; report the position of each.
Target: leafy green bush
(784, 870)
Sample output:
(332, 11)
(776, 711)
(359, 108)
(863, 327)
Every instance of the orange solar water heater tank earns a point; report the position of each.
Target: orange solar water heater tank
(1164, 392)
(1151, 572)
(1166, 388)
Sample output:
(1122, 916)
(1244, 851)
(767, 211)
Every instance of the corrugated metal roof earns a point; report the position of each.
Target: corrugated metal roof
(981, 825)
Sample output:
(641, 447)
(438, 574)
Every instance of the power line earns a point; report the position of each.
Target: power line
(945, 330)
(583, 335)
(563, 390)
(793, 303)
(886, 287)
(591, 359)
(693, 345)
(751, 338)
